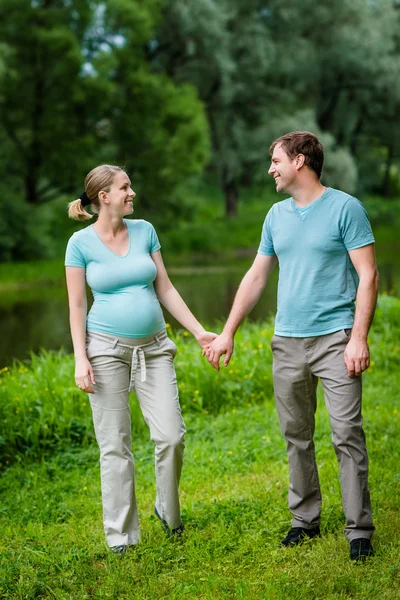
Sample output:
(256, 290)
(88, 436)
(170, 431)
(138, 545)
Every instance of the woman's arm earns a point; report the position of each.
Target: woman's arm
(173, 302)
(76, 286)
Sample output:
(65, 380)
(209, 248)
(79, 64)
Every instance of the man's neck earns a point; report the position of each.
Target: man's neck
(305, 195)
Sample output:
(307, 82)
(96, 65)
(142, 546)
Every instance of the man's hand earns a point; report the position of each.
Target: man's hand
(223, 344)
(356, 357)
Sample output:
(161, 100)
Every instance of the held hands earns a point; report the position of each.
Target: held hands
(84, 376)
(204, 338)
(356, 357)
(223, 344)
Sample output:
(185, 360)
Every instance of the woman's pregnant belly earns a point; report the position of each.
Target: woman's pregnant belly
(132, 312)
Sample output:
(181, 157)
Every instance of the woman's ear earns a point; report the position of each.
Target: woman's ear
(103, 197)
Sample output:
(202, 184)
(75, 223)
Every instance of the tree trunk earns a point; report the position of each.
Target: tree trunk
(386, 175)
(231, 197)
(353, 145)
(34, 152)
(329, 99)
(31, 195)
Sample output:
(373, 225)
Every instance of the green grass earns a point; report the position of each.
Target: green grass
(41, 409)
(234, 487)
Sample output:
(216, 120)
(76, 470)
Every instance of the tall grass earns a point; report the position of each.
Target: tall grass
(41, 410)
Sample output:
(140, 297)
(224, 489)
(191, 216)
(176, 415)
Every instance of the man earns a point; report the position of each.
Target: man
(323, 242)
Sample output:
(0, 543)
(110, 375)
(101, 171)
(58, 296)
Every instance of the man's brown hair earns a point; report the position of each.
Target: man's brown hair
(302, 142)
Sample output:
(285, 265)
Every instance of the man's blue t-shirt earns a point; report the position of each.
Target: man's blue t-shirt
(125, 302)
(317, 281)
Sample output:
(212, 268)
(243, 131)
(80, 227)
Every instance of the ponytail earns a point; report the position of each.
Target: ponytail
(77, 211)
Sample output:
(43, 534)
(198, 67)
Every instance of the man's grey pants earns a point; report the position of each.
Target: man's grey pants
(146, 365)
(298, 363)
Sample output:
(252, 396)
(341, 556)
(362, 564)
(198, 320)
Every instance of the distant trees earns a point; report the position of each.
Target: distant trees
(76, 89)
(158, 126)
(256, 63)
(224, 48)
(44, 108)
(170, 87)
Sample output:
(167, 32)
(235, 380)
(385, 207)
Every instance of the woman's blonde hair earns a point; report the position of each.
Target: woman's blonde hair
(97, 180)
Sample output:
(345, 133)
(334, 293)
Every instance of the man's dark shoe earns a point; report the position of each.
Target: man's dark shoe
(121, 550)
(360, 549)
(171, 532)
(296, 535)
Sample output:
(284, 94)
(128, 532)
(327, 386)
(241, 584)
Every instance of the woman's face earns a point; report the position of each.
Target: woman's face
(120, 196)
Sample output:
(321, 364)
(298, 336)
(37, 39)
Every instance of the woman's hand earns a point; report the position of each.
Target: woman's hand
(84, 376)
(205, 337)
(222, 345)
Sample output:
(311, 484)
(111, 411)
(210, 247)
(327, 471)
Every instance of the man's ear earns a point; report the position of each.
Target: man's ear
(299, 161)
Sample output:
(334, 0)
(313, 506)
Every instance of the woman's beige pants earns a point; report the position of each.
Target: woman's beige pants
(146, 366)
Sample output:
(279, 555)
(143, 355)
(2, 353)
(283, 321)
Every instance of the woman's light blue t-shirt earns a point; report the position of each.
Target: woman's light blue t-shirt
(317, 281)
(125, 303)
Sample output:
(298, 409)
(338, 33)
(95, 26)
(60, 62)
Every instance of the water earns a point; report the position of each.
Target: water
(37, 318)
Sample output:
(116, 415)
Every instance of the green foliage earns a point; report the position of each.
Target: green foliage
(339, 170)
(78, 91)
(224, 49)
(42, 105)
(168, 87)
(162, 137)
(13, 231)
(346, 66)
(274, 64)
(383, 212)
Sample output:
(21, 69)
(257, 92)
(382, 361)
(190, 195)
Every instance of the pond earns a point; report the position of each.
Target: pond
(36, 318)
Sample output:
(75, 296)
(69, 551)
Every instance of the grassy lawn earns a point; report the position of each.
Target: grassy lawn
(234, 487)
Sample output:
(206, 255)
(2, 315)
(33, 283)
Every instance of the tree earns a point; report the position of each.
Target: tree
(257, 63)
(159, 127)
(43, 104)
(78, 91)
(225, 50)
(341, 60)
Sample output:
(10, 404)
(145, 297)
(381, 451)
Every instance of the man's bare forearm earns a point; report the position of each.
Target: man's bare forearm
(248, 294)
(366, 298)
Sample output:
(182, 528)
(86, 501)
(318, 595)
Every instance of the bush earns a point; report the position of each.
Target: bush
(41, 410)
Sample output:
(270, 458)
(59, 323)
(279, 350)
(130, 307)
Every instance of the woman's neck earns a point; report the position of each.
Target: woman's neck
(111, 226)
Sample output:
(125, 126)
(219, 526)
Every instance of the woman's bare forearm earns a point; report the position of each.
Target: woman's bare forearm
(77, 321)
(174, 303)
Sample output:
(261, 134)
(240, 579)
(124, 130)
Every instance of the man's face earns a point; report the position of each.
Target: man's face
(282, 169)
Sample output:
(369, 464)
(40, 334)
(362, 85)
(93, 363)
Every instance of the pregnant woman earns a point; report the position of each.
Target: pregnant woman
(122, 345)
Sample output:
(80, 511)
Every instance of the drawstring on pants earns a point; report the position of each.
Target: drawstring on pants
(137, 358)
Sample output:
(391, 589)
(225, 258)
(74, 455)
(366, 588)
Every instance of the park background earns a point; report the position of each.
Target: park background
(187, 96)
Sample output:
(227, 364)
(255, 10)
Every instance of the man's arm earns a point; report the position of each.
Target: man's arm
(356, 355)
(246, 298)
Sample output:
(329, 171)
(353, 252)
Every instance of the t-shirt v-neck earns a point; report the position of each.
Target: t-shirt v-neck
(108, 247)
(303, 211)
